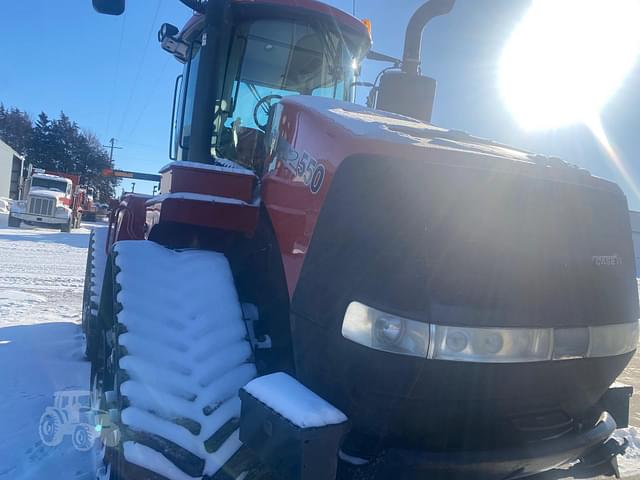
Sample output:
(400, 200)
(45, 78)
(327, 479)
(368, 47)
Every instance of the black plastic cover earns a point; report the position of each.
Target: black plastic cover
(289, 451)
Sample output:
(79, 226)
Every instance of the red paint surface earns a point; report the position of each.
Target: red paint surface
(238, 218)
(207, 182)
(128, 220)
(340, 16)
(344, 19)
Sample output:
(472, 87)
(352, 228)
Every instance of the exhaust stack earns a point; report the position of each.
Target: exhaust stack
(407, 92)
(413, 37)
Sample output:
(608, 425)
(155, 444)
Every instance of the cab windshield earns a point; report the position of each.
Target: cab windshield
(49, 184)
(273, 59)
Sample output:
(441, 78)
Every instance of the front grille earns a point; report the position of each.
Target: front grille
(41, 206)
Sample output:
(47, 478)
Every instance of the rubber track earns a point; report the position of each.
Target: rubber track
(98, 253)
(184, 359)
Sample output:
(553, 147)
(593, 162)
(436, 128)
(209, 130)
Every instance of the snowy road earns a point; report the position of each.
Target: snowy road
(41, 281)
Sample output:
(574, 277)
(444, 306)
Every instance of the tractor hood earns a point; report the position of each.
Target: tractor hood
(486, 210)
(362, 130)
(497, 236)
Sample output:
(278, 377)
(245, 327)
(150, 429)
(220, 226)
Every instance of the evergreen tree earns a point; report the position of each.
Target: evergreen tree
(15, 129)
(39, 149)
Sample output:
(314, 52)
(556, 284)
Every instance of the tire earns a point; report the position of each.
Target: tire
(174, 414)
(50, 429)
(83, 437)
(14, 222)
(66, 228)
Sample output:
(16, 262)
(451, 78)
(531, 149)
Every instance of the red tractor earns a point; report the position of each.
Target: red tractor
(324, 290)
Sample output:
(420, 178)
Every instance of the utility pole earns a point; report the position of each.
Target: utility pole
(112, 147)
(133, 187)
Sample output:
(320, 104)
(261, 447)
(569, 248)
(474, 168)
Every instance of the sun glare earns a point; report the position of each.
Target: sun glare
(566, 58)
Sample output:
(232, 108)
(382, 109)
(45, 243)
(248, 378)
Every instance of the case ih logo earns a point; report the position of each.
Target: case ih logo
(606, 260)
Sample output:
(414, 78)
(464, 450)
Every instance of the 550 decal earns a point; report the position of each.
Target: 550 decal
(304, 166)
(311, 171)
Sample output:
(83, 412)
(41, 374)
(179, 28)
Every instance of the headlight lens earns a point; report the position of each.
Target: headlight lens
(391, 333)
(496, 345)
(62, 211)
(382, 331)
(570, 343)
(389, 329)
(613, 339)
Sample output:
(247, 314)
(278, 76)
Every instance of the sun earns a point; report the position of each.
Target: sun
(566, 58)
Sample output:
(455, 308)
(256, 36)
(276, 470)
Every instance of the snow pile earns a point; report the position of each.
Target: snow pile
(187, 356)
(199, 197)
(221, 165)
(294, 401)
(630, 463)
(5, 205)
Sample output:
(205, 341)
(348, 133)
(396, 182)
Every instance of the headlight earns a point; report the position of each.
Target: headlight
(613, 339)
(495, 345)
(62, 211)
(391, 333)
(382, 331)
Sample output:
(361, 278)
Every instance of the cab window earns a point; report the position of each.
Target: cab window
(278, 59)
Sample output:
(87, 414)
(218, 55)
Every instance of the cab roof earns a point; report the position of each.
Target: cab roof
(47, 176)
(341, 18)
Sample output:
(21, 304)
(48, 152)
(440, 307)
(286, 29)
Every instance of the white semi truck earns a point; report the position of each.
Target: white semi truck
(49, 199)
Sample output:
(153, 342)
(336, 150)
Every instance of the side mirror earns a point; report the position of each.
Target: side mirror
(167, 31)
(109, 7)
(167, 36)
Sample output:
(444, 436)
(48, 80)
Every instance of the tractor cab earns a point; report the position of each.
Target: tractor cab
(242, 58)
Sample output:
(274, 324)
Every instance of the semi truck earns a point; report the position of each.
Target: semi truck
(49, 199)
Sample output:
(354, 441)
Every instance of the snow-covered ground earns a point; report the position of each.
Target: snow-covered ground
(41, 282)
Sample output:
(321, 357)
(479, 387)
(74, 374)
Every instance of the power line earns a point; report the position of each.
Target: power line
(117, 71)
(150, 97)
(112, 147)
(140, 65)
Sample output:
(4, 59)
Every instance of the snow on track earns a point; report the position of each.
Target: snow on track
(41, 281)
(186, 358)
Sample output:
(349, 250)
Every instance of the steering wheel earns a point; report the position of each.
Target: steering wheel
(264, 104)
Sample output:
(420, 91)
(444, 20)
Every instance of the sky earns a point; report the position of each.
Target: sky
(110, 75)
